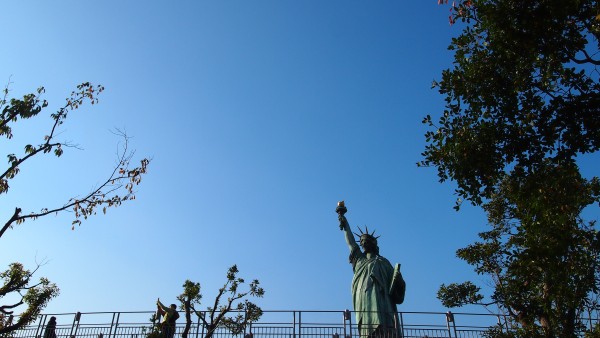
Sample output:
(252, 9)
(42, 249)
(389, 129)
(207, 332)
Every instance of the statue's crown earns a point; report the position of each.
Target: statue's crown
(365, 233)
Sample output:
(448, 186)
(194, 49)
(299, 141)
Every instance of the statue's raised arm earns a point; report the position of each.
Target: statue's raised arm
(345, 226)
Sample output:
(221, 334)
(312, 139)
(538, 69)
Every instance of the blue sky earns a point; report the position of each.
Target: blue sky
(258, 116)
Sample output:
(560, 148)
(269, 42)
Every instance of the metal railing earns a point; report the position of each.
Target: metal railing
(273, 324)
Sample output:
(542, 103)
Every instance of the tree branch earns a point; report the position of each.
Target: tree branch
(45, 148)
(587, 59)
(217, 301)
(14, 217)
(200, 315)
(4, 308)
(228, 307)
(87, 205)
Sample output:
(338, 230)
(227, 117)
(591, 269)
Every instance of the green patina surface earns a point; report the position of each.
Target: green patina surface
(376, 286)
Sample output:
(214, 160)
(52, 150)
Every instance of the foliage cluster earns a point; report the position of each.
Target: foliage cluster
(233, 314)
(522, 105)
(18, 282)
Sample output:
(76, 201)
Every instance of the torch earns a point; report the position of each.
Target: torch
(341, 210)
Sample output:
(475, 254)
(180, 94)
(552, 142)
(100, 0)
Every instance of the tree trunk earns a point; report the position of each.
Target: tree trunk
(188, 319)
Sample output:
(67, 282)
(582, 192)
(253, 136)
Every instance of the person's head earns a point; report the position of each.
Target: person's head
(368, 242)
(173, 307)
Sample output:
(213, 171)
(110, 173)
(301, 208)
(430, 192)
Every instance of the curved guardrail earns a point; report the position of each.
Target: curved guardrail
(273, 324)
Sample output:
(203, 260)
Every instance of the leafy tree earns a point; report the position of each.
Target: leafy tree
(219, 315)
(522, 104)
(18, 283)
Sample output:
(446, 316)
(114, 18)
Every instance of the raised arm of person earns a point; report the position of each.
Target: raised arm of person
(345, 227)
(161, 306)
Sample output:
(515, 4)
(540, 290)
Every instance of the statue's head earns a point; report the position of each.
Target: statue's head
(368, 241)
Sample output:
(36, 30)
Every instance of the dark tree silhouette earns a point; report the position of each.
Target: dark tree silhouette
(522, 105)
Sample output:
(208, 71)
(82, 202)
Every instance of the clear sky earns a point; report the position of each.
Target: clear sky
(258, 116)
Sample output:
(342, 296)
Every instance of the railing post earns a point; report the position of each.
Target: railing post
(198, 327)
(348, 322)
(115, 323)
(299, 324)
(75, 325)
(110, 331)
(294, 325)
(344, 322)
(450, 319)
(401, 318)
(40, 329)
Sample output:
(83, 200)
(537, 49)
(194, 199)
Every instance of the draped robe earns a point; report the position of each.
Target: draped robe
(373, 295)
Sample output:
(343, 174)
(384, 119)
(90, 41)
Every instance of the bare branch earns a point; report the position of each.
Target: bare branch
(13, 218)
(4, 308)
(587, 59)
(102, 195)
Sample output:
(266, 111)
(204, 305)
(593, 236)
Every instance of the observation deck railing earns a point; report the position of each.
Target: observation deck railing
(272, 324)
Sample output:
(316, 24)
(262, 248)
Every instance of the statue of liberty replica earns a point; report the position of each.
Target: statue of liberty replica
(376, 286)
